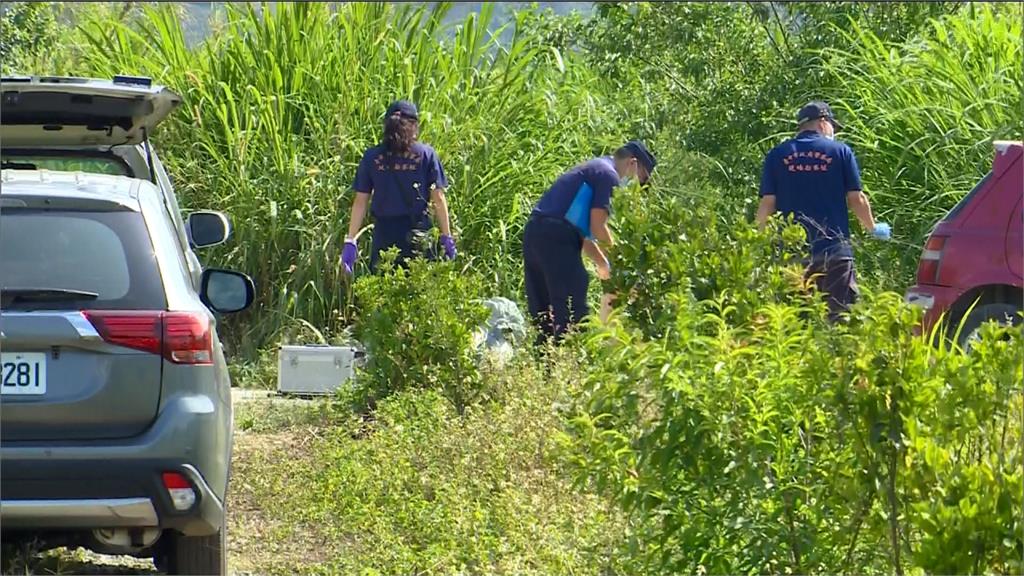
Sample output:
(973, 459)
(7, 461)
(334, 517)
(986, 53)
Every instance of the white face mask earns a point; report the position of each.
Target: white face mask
(830, 136)
(627, 181)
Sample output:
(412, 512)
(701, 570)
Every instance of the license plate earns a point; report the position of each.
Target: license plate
(22, 373)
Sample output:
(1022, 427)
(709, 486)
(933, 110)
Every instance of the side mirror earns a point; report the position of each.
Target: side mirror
(226, 292)
(207, 229)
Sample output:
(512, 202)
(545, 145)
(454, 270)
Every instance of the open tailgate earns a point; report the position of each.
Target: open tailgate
(51, 111)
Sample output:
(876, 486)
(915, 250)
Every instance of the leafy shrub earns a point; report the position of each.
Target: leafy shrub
(767, 441)
(743, 434)
(417, 326)
(678, 244)
(25, 29)
(962, 475)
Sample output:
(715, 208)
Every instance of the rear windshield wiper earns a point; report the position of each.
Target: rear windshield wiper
(14, 295)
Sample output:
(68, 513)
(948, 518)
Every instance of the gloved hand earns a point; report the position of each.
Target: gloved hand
(882, 231)
(348, 256)
(448, 243)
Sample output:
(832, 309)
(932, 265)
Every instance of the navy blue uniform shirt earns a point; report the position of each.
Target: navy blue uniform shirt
(599, 173)
(810, 176)
(403, 188)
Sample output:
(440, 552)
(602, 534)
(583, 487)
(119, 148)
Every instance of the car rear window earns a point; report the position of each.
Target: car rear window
(967, 199)
(67, 163)
(106, 253)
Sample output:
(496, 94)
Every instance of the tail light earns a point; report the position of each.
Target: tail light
(180, 490)
(931, 260)
(187, 338)
(180, 337)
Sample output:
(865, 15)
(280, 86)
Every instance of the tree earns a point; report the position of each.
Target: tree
(25, 29)
(726, 78)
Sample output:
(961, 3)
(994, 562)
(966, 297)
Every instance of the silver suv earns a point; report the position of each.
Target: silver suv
(115, 403)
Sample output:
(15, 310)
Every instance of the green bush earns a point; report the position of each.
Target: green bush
(679, 243)
(743, 434)
(26, 28)
(417, 326)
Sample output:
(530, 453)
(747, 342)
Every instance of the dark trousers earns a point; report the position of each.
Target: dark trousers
(400, 232)
(556, 280)
(837, 279)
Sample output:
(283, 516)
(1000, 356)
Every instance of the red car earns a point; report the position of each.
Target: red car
(975, 254)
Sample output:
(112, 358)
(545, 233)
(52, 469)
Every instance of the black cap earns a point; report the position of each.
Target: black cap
(405, 108)
(642, 154)
(815, 110)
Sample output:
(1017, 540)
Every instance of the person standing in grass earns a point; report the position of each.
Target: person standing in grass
(816, 179)
(405, 179)
(571, 219)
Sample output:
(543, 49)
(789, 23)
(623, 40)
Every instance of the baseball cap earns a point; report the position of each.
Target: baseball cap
(642, 154)
(815, 110)
(405, 108)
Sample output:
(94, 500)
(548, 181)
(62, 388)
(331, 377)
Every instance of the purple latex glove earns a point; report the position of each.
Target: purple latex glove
(348, 256)
(448, 243)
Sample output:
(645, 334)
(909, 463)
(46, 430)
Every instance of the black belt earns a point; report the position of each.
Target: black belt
(557, 220)
(546, 218)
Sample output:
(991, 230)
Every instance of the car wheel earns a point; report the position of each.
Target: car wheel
(970, 328)
(194, 555)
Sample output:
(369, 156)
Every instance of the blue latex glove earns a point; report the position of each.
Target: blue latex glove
(448, 243)
(882, 231)
(348, 256)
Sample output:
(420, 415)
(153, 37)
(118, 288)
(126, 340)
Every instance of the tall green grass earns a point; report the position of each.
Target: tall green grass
(280, 104)
(922, 116)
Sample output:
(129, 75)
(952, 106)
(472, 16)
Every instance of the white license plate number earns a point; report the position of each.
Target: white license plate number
(22, 374)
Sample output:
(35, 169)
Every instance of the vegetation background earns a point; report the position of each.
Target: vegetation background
(716, 425)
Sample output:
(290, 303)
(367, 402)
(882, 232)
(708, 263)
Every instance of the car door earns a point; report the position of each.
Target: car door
(1015, 240)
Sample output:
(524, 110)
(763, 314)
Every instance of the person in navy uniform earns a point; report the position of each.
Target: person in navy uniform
(404, 178)
(816, 179)
(571, 219)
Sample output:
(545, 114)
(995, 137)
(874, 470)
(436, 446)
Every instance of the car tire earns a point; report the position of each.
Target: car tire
(1003, 313)
(194, 555)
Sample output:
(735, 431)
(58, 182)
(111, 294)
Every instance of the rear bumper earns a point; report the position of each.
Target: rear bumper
(934, 300)
(62, 496)
(118, 484)
(124, 512)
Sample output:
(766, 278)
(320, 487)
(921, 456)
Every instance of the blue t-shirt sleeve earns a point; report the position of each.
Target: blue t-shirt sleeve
(768, 176)
(851, 172)
(602, 183)
(364, 176)
(435, 171)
